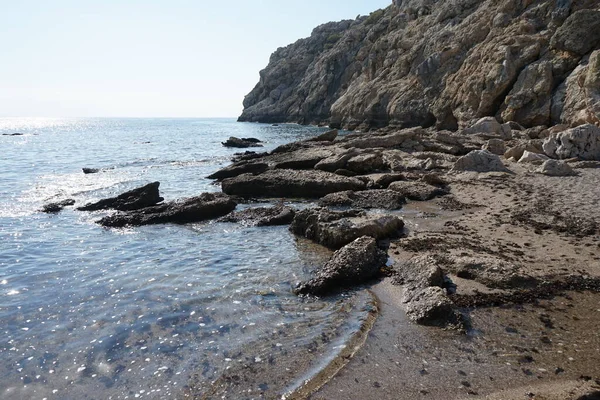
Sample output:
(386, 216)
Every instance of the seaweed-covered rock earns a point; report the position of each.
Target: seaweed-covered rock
(144, 196)
(290, 183)
(194, 209)
(335, 229)
(353, 264)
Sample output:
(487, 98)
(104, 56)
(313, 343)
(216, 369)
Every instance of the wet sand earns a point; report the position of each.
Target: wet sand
(540, 232)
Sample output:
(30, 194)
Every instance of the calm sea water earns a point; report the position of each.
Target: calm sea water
(150, 312)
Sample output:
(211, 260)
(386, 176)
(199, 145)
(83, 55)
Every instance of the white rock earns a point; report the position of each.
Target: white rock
(533, 158)
(556, 168)
(479, 161)
(582, 142)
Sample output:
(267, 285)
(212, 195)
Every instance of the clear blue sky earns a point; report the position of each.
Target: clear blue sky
(167, 58)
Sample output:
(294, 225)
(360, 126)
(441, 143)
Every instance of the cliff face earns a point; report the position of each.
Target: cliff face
(440, 62)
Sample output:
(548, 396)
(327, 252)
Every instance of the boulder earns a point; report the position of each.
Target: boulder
(418, 272)
(431, 306)
(328, 136)
(90, 170)
(579, 34)
(262, 216)
(352, 265)
(289, 183)
(419, 191)
(194, 209)
(336, 161)
(480, 161)
(144, 196)
(556, 168)
(532, 158)
(582, 142)
(495, 146)
(239, 168)
(241, 143)
(377, 198)
(366, 163)
(516, 152)
(383, 181)
(335, 229)
(58, 206)
(489, 127)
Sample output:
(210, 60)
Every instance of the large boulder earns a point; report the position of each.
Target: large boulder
(419, 191)
(144, 196)
(290, 183)
(480, 161)
(194, 209)
(489, 127)
(377, 198)
(582, 142)
(262, 216)
(335, 229)
(532, 158)
(353, 264)
(495, 146)
(366, 163)
(579, 34)
(328, 136)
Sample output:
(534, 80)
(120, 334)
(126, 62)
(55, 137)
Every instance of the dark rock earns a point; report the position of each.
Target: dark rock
(262, 216)
(419, 191)
(239, 168)
(328, 136)
(241, 143)
(377, 198)
(335, 229)
(579, 34)
(194, 209)
(353, 264)
(247, 156)
(383, 181)
(135, 199)
(344, 172)
(58, 206)
(90, 170)
(13, 134)
(289, 183)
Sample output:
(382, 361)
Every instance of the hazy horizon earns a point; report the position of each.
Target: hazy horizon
(147, 60)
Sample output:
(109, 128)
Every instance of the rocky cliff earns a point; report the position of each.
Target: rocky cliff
(440, 62)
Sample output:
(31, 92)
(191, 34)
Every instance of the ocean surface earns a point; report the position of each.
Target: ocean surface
(162, 311)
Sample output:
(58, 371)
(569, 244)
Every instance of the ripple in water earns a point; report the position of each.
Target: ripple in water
(153, 312)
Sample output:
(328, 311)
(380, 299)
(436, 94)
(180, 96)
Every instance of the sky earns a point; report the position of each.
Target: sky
(147, 58)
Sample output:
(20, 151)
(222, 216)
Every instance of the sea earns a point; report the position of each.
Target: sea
(202, 310)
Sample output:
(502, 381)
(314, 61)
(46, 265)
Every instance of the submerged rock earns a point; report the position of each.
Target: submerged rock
(90, 170)
(58, 206)
(144, 196)
(241, 143)
(377, 198)
(262, 216)
(353, 264)
(335, 229)
(290, 183)
(194, 209)
(480, 161)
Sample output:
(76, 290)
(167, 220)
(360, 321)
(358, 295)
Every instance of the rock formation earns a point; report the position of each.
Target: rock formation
(440, 62)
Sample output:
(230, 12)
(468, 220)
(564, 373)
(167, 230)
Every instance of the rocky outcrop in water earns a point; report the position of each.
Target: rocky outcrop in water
(440, 62)
(353, 264)
(241, 143)
(262, 216)
(335, 229)
(58, 206)
(144, 196)
(194, 209)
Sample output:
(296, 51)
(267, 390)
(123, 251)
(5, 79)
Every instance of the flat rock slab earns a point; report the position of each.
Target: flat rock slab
(419, 191)
(144, 196)
(290, 183)
(262, 216)
(335, 229)
(239, 168)
(194, 209)
(353, 264)
(377, 198)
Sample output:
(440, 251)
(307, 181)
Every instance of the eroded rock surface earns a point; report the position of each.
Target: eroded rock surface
(352, 265)
(144, 196)
(377, 198)
(262, 216)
